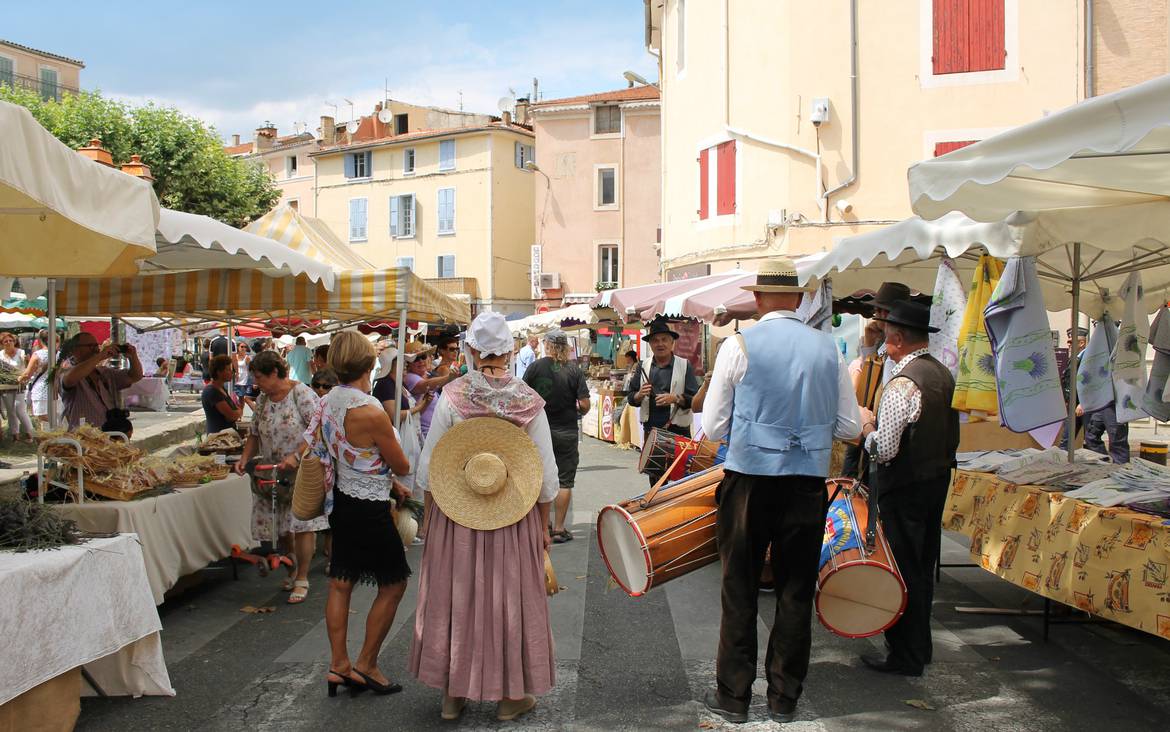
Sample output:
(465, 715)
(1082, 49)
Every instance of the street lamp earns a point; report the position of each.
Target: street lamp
(635, 78)
(532, 166)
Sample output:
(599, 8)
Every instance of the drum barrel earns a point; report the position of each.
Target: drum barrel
(1153, 451)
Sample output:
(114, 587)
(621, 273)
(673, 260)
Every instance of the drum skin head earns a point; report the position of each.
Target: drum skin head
(624, 550)
(860, 599)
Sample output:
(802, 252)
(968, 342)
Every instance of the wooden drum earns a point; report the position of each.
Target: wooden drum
(860, 591)
(662, 534)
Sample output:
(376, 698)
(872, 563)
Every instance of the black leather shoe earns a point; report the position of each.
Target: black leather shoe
(712, 705)
(882, 665)
(782, 715)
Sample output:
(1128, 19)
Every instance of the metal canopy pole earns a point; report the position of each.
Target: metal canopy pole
(1073, 348)
(398, 368)
(50, 371)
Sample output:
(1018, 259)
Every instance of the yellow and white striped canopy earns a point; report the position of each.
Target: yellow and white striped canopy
(308, 236)
(250, 295)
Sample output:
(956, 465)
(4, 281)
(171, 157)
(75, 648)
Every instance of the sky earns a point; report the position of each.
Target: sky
(236, 65)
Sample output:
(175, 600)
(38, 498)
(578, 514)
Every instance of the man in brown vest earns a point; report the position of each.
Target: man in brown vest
(912, 446)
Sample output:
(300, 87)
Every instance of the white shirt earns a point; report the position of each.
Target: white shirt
(901, 405)
(730, 367)
(524, 359)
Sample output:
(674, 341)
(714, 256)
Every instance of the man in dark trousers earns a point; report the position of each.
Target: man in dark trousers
(912, 446)
(780, 392)
(662, 388)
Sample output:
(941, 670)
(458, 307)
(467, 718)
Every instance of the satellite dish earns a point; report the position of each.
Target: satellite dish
(506, 104)
(385, 116)
(352, 127)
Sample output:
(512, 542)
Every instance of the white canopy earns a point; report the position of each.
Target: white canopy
(192, 242)
(574, 314)
(1105, 151)
(62, 215)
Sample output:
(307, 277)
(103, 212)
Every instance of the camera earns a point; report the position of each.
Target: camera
(123, 348)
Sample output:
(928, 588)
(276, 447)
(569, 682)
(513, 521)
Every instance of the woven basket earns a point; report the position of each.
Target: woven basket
(550, 577)
(406, 525)
(308, 501)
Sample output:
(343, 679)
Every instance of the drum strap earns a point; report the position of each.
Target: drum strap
(871, 496)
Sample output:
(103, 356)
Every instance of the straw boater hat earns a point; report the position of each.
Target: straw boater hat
(485, 473)
(777, 275)
(415, 350)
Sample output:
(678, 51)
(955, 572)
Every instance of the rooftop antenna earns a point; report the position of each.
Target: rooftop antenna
(535, 89)
(350, 103)
(460, 100)
(332, 104)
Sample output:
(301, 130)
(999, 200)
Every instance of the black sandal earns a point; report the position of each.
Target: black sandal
(562, 536)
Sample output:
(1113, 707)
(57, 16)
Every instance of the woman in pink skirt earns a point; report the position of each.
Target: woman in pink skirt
(482, 627)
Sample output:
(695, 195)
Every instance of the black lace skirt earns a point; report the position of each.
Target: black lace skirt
(366, 546)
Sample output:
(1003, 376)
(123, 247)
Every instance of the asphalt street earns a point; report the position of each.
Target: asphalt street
(640, 664)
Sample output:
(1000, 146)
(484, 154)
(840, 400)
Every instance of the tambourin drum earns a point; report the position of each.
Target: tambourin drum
(644, 544)
(662, 447)
(658, 451)
(860, 592)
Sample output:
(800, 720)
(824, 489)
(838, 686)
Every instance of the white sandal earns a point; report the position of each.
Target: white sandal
(299, 593)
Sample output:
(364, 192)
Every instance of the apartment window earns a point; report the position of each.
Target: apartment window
(403, 215)
(446, 155)
(405, 262)
(717, 180)
(607, 264)
(357, 219)
(7, 71)
(290, 166)
(969, 35)
(523, 153)
(49, 86)
(606, 186)
(294, 204)
(358, 165)
(607, 119)
(942, 148)
(445, 265)
(681, 40)
(400, 124)
(408, 161)
(446, 210)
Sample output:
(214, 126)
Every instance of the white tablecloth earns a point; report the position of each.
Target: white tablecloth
(80, 605)
(181, 532)
(148, 393)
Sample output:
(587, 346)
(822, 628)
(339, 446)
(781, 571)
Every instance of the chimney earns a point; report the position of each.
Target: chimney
(95, 152)
(328, 131)
(235, 140)
(522, 111)
(507, 118)
(265, 138)
(138, 169)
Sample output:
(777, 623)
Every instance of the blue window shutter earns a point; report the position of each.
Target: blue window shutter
(353, 219)
(394, 215)
(369, 163)
(349, 167)
(413, 217)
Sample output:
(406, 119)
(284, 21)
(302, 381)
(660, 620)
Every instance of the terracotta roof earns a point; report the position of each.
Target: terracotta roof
(241, 149)
(291, 138)
(421, 135)
(630, 94)
(66, 59)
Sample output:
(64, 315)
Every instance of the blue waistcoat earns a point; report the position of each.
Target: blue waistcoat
(784, 410)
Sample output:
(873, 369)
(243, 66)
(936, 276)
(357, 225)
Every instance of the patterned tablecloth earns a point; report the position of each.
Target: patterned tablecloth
(1112, 562)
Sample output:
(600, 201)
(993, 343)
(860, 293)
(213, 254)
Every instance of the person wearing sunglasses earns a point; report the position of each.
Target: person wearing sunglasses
(324, 380)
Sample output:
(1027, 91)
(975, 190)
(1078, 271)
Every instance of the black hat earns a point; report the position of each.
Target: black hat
(910, 314)
(889, 294)
(659, 326)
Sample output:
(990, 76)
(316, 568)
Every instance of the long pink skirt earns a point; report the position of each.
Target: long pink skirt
(481, 626)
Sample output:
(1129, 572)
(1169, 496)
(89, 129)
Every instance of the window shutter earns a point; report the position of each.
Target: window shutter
(703, 178)
(985, 29)
(7, 72)
(951, 36)
(349, 167)
(357, 219)
(942, 148)
(394, 216)
(518, 153)
(412, 226)
(726, 177)
(369, 163)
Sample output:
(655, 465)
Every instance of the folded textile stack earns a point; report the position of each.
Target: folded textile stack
(1136, 483)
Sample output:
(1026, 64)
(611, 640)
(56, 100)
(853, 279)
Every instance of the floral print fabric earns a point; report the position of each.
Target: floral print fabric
(280, 426)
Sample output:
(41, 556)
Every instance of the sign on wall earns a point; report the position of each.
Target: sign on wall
(535, 264)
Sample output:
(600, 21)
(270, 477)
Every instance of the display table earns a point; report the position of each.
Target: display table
(1111, 562)
(604, 416)
(193, 382)
(628, 432)
(150, 393)
(86, 605)
(181, 532)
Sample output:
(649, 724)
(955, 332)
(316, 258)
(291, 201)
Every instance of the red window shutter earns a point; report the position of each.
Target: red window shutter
(703, 188)
(726, 176)
(986, 35)
(942, 148)
(951, 42)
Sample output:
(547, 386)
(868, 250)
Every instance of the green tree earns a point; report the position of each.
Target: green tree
(192, 173)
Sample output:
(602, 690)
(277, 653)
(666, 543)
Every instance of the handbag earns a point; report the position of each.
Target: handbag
(308, 501)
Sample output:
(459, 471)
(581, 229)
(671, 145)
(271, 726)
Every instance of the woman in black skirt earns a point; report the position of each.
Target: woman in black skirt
(356, 438)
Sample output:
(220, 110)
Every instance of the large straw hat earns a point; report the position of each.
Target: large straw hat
(485, 473)
(777, 275)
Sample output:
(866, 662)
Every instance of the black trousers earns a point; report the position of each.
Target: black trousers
(1104, 422)
(652, 474)
(911, 515)
(787, 512)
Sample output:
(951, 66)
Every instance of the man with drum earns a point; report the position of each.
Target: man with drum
(662, 387)
(912, 446)
(780, 392)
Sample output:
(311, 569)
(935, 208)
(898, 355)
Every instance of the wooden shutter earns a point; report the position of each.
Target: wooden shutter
(942, 148)
(413, 224)
(369, 163)
(7, 71)
(985, 35)
(703, 188)
(349, 167)
(725, 173)
(951, 44)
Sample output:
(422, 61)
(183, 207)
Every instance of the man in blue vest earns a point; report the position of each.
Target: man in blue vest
(780, 392)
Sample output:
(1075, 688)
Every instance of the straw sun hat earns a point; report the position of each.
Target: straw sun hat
(777, 275)
(485, 473)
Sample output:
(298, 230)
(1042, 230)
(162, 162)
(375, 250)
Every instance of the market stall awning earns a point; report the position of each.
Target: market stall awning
(249, 295)
(1106, 151)
(719, 301)
(308, 236)
(62, 215)
(192, 242)
(629, 303)
(572, 316)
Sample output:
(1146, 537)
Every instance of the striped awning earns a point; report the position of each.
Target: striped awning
(308, 236)
(250, 295)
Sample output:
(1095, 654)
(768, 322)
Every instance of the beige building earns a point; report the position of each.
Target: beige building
(454, 203)
(287, 160)
(47, 73)
(598, 193)
(787, 125)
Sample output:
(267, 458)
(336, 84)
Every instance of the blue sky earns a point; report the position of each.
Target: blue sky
(236, 64)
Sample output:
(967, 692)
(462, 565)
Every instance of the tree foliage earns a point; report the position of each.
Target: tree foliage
(192, 173)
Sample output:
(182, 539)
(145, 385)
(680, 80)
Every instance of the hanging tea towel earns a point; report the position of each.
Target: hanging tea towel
(1154, 402)
(975, 383)
(1095, 371)
(1129, 355)
(946, 314)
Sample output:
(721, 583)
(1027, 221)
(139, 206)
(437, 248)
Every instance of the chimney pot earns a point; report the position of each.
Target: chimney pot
(137, 168)
(95, 152)
(507, 118)
(328, 131)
